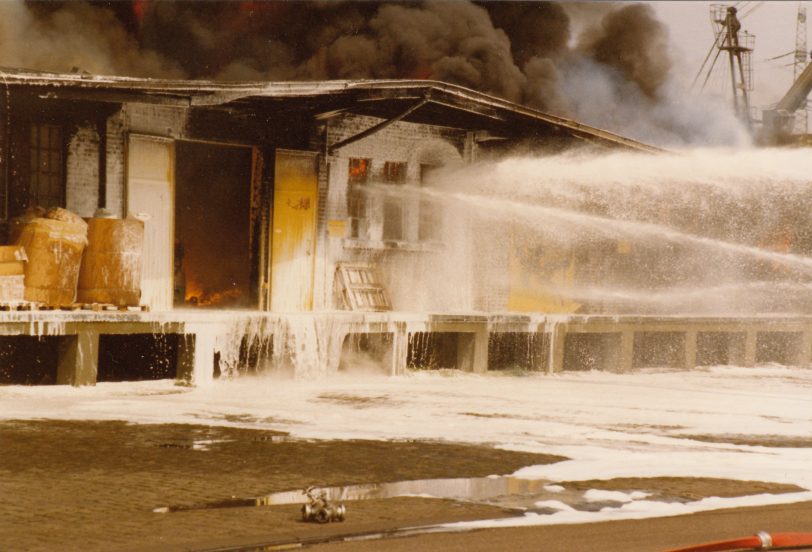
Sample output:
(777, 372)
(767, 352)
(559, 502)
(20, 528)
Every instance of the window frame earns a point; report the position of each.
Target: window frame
(52, 193)
(357, 202)
(394, 174)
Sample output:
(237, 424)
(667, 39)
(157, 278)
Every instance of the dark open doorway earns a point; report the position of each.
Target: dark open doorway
(212, 220)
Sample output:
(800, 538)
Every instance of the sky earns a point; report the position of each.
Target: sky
(773, 23)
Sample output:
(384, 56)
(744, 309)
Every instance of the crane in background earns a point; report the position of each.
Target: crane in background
(739, 47)
(787, 121)
(801, 58)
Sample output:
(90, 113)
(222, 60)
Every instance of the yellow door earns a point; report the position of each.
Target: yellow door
(293, 236)
(151, 197)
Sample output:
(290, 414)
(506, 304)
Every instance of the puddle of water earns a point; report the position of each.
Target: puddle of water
(206, 444)
(503, 491)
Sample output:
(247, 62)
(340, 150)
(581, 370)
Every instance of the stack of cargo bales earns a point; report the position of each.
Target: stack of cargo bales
(111, 267)
(54, 245)
(12, 273)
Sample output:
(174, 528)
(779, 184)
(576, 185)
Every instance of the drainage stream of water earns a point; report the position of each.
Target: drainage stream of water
(508, 492)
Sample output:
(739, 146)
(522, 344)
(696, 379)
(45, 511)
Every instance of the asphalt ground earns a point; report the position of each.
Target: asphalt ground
(94, 486)
(90, 486)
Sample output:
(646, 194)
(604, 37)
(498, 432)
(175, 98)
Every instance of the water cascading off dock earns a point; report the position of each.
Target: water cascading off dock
(609, 262)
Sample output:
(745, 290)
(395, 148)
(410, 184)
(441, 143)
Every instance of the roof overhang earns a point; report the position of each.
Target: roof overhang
(439, 102)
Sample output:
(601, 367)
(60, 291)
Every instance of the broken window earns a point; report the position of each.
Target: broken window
(46, 151)
(361, 289)
(393, 207)
(356, 198)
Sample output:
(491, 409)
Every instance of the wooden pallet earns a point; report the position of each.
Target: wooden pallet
(20, 306)
(95, 307)
(105, 307)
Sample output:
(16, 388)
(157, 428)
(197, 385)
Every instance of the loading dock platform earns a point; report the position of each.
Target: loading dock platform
(207, 343)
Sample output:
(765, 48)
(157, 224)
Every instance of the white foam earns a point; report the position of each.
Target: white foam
(608, 425)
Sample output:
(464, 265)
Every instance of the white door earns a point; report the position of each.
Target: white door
(151, 197)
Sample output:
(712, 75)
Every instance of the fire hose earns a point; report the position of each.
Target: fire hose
(760, 541)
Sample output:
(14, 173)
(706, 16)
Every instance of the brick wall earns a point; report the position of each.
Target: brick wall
(82, 178)
(116, 149)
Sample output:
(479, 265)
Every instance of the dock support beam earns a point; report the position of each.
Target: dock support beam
(690, 349)
(399, 354)
(196, 355)
(479, 364)
(78, 360)
(626, 359)
(472, 351)
(805, 353)
(555, 361)
(750, 342)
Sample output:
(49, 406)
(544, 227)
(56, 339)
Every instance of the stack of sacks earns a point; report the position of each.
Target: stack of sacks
(12, 273)
(53, 244)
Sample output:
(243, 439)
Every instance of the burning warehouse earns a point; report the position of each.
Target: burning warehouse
(263, 201)
(252, 195)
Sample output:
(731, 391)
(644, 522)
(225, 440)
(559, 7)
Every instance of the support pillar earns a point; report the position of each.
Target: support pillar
(399, 353)
(555, 362)
(805, 350)
(196, 356)
(690, 349)
(78, 359)
(626, 357)
(480, 360)
(750, 342)
(736, 345)
(472, 350)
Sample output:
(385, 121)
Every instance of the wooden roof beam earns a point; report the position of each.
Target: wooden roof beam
(376, 128)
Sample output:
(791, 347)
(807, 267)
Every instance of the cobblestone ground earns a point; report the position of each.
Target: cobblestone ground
(93, 485)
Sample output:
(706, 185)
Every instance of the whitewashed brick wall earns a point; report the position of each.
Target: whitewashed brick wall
(82, 187)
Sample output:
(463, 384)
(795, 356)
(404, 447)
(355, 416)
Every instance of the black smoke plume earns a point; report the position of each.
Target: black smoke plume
(521, 51)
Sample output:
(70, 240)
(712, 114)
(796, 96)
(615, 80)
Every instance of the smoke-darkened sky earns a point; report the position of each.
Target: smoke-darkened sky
(611, 64)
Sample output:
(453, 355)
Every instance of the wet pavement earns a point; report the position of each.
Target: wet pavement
(114, 486)
(95, 485)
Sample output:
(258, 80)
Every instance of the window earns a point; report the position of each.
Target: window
(393, 206)
(356, 198)
(45, 152)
